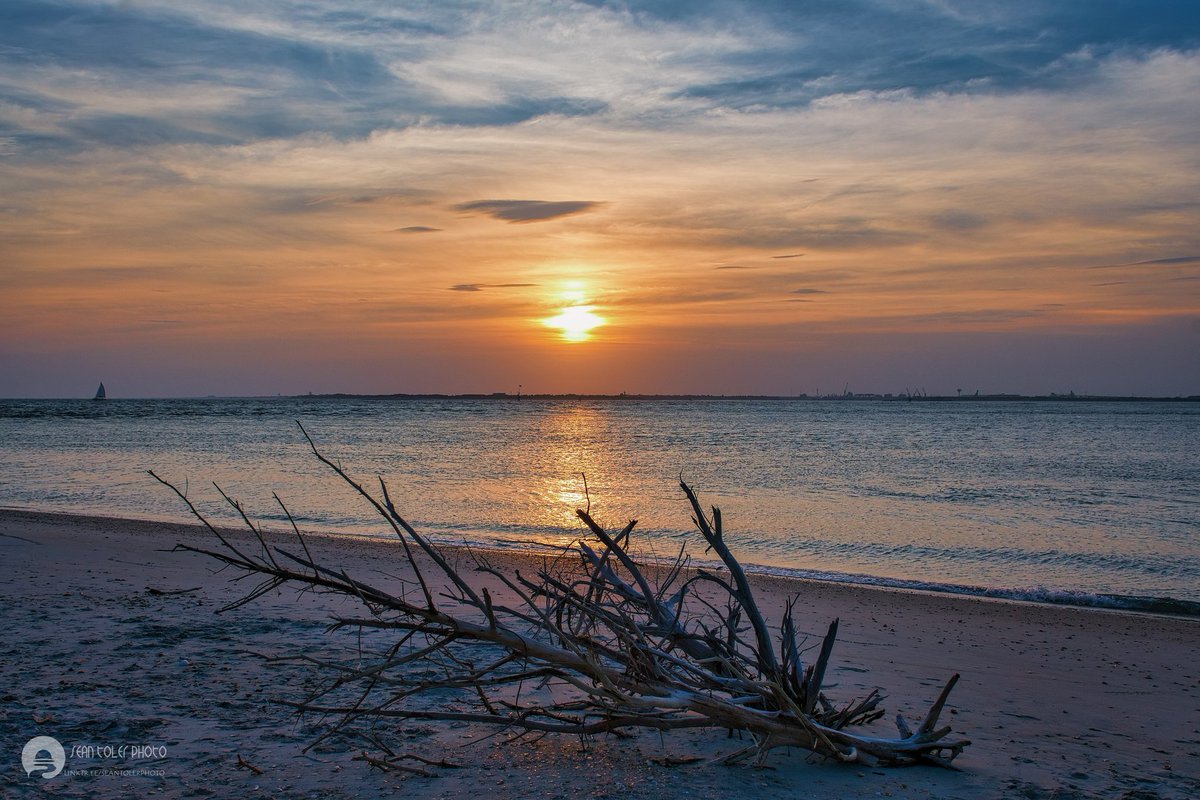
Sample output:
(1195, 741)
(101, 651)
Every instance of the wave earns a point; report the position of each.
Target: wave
(1035, 594)
(1151, 564)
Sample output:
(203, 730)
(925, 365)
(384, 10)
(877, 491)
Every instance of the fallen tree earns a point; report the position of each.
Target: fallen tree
(594, 642)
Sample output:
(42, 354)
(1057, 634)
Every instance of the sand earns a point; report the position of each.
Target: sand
(114, 641)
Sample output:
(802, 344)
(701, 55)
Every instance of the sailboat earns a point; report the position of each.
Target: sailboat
(100, 394)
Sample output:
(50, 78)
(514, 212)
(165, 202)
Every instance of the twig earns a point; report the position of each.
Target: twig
(241, 762)
(389, 765)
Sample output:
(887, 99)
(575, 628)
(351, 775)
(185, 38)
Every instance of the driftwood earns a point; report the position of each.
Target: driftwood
(593, 643)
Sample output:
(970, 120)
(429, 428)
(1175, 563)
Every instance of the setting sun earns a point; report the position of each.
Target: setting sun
(652, 189)
(575, 322)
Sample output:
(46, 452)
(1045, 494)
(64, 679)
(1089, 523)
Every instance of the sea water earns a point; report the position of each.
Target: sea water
(1070, 501)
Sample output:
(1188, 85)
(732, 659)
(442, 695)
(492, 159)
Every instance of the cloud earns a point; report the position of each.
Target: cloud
(660, 297)
(958, 221)
(213, 72)
(834, 234)
(1175, 260)
(984, 316)
(926, 156)
(479, 287)
(1172, 261)
(527, 210)
(117, 65)
(124, 130)
(809, 291)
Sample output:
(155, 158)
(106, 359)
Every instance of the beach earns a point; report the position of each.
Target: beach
(115, 642)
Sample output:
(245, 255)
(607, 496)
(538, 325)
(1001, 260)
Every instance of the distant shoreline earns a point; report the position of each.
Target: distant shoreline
(1041, 398)
(504, 396)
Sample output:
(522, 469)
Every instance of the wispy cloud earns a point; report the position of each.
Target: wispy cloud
(479, 287)
(527, 210)
(1170, 261)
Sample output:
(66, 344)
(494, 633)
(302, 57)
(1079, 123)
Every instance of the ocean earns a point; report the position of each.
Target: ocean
(1092, 503)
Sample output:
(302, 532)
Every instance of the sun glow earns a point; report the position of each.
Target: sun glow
(575, 322)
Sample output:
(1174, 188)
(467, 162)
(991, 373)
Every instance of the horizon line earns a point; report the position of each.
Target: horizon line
(916, 396)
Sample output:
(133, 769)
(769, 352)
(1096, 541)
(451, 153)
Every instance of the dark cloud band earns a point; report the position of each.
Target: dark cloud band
(527, 210)
(479, 287)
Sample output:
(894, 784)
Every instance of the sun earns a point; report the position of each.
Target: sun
(575, 322)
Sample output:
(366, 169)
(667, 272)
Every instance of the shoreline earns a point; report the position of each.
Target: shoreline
(1047, 596)
(995, 397)
(116, 640)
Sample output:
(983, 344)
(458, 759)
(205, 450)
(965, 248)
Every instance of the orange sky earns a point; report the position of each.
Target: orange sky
(1033, 233)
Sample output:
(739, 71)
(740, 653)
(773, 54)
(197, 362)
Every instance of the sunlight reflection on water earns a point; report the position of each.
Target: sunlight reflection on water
(1092, 497)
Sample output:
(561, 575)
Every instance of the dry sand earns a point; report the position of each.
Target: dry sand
(1059, 702)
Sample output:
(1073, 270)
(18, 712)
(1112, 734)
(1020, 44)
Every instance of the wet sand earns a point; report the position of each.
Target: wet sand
(114, 641)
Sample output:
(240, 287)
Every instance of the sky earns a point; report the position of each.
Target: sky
(713, 197)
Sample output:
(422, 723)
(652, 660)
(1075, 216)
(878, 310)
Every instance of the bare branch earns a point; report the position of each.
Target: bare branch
(595, 643)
